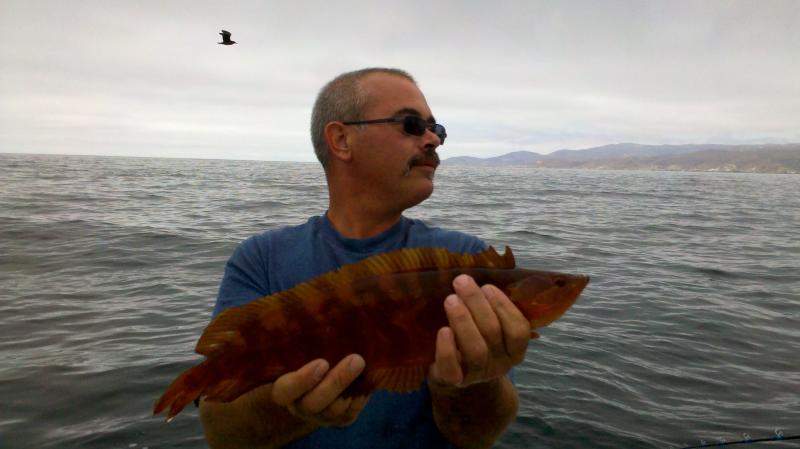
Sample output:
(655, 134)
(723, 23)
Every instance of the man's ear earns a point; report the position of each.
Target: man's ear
(336, 136)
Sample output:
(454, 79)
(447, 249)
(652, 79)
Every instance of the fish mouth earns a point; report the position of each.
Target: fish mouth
(577, 283)
(571, 286)
(581, 281)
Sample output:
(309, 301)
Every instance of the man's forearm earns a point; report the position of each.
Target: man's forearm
(252, 421)
(475, 416)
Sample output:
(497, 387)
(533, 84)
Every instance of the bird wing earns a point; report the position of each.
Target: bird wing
(225, 34)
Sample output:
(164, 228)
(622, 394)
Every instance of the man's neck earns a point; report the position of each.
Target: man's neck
(358, 222)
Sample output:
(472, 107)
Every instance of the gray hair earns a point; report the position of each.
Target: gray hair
(342, 99)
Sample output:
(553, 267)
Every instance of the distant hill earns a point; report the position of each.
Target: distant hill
(515, 158)
(766, 158)
(617, 150)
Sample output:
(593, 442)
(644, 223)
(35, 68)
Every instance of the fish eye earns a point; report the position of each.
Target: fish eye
(560, 282)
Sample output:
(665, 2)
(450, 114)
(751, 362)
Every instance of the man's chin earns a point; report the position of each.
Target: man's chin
(426, 193)
(418, 193)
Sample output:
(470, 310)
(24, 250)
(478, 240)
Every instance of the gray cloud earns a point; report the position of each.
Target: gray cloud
(148, 79)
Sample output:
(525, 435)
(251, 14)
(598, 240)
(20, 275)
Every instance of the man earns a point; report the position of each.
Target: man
(379, 160)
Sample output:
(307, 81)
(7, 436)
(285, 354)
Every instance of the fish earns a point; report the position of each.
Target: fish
(388, 308)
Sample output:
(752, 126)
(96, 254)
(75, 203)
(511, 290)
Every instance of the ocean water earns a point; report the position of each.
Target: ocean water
(688, 332)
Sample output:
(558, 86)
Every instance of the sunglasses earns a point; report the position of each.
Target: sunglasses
(412, 124)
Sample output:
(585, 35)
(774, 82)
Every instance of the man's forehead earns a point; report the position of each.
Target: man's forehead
(411, 111)
(394, 95)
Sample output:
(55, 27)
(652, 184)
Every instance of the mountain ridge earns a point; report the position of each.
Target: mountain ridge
(750, 158)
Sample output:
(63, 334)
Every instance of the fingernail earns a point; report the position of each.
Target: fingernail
(356, 364)
(451, 301)
(321, 369)
(461, 280)
(488, 292)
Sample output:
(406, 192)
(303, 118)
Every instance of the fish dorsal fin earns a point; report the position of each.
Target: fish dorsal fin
(402, 379)
(420, 259)
(224, 332)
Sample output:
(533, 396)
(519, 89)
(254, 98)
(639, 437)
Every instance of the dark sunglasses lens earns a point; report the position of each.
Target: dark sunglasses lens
(414, 125)
(417, 125)
(439, 131)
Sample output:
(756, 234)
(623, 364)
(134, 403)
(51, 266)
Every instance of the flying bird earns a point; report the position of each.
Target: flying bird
(226, 38)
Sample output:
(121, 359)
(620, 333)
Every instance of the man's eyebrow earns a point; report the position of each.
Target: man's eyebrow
(412, 111)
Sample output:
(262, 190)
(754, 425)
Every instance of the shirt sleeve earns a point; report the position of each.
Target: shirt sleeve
(245, 277)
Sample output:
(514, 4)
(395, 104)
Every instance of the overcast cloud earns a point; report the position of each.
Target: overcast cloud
(147, 78)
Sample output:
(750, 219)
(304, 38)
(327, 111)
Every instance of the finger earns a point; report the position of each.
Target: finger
(350, 414)
(516, 328)
(474, 350)
(355, 409)
(291, 386)
(446, 366)
(333, 413)
(342, 412)
(332, 385)
(358, 404)
(484, 317)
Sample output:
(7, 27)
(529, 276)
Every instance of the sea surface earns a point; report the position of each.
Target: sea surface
(688, 332)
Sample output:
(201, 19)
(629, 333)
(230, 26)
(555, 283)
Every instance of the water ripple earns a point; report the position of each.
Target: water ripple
(689, 329)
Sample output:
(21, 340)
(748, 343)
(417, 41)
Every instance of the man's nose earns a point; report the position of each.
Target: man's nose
(431, 140)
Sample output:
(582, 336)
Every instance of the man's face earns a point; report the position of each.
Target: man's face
(396, 165)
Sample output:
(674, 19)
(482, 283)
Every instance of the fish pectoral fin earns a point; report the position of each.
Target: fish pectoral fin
(403, 379)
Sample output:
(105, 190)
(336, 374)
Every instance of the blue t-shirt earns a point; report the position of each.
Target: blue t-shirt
(279, 259)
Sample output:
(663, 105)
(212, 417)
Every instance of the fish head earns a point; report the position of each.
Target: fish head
(544, 296)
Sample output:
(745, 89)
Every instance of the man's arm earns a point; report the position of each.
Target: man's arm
(297, 404)
(473, 401)
(475, 416)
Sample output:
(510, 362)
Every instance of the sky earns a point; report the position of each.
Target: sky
(147, 78)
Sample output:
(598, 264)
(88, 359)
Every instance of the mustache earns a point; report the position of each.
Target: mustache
(427, 158)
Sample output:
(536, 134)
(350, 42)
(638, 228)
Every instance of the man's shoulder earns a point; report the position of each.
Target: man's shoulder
(283, 236)
(266, 263)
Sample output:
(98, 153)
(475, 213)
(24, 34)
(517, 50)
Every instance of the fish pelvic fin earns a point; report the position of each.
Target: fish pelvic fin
(404, 379)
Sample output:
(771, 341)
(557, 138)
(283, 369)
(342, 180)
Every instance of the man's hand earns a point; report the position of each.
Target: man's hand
(296, 404)
(312, 393)
(487, 336)
(473, 401)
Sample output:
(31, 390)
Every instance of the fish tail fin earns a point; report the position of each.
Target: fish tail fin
(184, 389)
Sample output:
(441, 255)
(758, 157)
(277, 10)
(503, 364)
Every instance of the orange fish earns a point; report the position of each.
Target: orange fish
(387, 308)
